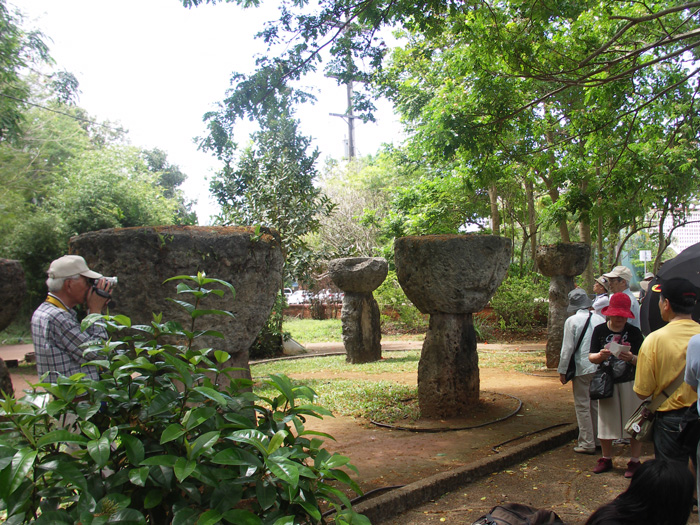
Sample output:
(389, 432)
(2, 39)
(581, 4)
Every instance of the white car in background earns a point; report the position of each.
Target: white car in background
(300, 297)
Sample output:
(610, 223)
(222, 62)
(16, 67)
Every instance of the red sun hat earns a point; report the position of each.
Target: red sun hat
(619, 306)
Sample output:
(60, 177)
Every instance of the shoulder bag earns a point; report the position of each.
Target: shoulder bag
(571, 369)
(603, 382)
(640, 424)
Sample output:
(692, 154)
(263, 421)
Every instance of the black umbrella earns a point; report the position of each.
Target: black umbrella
(687, 265)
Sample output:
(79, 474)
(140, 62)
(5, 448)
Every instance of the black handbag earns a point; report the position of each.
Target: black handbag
(603, 382)
(571, 369)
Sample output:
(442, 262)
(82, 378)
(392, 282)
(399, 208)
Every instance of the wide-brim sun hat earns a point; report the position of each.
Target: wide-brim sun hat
(578, 299)
(620, 306)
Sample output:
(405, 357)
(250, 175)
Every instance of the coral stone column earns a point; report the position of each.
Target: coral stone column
(561, 263)
(142, 258)
(358, 277)
(450, 277)
(13, 288)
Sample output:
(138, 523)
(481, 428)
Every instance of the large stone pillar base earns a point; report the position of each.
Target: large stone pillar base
(448, 371)
(361, 331)
(559, 288)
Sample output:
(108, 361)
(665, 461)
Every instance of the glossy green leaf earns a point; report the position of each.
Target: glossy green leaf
(60, 436)
(134, 448)
(22, 464)
(204, 443)
(284, 469)
(266, 494)
(211, 394)
(210, 517)
(99, 450)
(183, 468)
(138, 476)
(171, 433)
(242, 517)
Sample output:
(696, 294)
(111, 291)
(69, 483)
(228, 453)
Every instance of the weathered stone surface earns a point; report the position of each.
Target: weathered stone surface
(358, 274)
(142, 258)
(559, 288)
(454, 274)
(361, 331)
(13, 288)
(562, 259)
(448, 371)
(561, 262)
(450, 277)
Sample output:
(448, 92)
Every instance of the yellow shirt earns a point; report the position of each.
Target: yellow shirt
(661, 358)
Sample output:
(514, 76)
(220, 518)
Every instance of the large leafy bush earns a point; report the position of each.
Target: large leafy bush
(522, 302)
(167, 436)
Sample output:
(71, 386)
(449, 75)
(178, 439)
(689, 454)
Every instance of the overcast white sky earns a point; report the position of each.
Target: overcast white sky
(156, 68)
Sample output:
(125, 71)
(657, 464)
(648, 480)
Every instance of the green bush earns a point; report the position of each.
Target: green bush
(521, 302)
(167, 436)
(397, 311)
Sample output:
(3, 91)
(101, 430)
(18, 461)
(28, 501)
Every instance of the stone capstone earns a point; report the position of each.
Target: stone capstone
(361, 331)
(358, 274)
(562, 259)
(143, 258)
(454, 274)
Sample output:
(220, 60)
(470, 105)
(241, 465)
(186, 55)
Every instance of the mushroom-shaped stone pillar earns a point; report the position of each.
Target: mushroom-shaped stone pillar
(13, 288)
(143, 258)
(358, 277)
(450, 277)
(561, 263)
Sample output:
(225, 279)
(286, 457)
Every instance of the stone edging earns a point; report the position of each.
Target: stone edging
(414, 494)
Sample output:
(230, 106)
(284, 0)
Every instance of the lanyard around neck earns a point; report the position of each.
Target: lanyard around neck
(56, 302)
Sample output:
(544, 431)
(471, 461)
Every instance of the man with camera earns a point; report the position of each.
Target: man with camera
(55, 328)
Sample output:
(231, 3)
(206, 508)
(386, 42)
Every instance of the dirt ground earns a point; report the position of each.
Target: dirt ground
(559, 479)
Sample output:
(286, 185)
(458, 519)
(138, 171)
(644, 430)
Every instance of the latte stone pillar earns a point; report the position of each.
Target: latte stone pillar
(358, 277)
(13, 288)
(450, 277)
(143, 258)
(561, 263)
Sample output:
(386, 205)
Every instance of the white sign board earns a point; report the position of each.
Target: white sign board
(645, 255)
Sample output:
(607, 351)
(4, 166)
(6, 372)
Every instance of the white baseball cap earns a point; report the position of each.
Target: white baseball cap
(70, 265)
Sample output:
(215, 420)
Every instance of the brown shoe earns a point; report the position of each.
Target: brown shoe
(632, 467)
(603, 465)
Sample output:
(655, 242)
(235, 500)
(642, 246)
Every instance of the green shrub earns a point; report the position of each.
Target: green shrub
(521, 302)
(397, 311)
(167, 436)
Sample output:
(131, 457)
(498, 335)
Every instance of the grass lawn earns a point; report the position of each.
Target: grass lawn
(378, 400)
(306, 331)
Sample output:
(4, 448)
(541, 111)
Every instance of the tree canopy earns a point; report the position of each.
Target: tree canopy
(573, 117)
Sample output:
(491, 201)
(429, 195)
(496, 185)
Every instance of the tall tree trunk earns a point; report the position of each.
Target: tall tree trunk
(584, 227)
(532, 221)
(495, 216)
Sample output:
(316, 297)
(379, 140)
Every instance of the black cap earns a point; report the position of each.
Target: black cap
(678, 291)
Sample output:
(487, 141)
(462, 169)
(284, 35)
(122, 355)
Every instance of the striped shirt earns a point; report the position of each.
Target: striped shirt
(58, 340)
